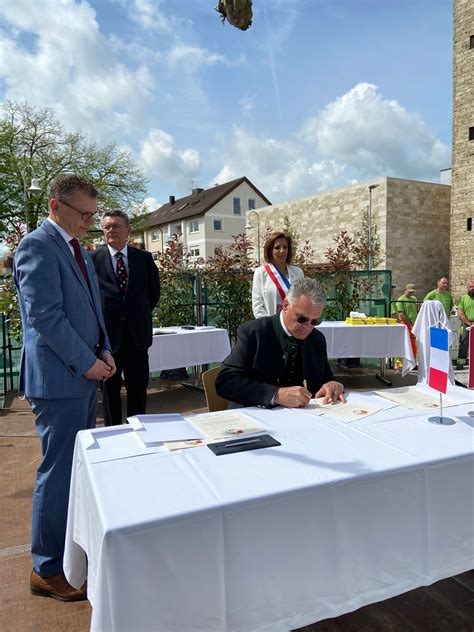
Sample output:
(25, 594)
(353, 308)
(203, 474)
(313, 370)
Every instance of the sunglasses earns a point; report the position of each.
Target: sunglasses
(304, 319)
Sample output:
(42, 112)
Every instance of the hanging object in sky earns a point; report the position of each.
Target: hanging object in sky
(236, 12)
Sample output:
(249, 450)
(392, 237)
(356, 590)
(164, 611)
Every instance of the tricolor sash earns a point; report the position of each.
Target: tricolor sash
(282, 284)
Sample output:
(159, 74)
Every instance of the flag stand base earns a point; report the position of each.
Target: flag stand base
(444, 421)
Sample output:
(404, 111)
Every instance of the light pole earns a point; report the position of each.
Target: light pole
(33, 188)
(248, 226)
(371, 188)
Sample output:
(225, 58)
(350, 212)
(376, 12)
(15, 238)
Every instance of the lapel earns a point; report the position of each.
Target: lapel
(108, 265)
(66, 252)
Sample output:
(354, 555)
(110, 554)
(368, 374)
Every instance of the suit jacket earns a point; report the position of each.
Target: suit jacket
(62, 319)
(135, 307)
(250, 375)
(264, 292)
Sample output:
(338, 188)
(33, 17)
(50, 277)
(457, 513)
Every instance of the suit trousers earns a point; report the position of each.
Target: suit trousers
(57, 423)
(133, 363)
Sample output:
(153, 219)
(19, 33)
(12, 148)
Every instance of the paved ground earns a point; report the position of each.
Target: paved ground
(446, 606)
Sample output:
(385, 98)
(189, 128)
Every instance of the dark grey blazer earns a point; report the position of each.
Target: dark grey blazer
(250, 375)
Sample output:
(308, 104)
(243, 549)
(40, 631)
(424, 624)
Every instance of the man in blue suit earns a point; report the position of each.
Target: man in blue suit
(65, 353)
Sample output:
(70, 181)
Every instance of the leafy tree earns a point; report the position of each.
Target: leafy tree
(362, 249)
(34, 137)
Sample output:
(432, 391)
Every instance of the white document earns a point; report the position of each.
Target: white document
(343, 411)
(412, 397)
(225, 424)
(115, 443)
(152, 429)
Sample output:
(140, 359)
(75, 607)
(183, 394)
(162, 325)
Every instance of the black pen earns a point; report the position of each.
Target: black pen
(238, 443)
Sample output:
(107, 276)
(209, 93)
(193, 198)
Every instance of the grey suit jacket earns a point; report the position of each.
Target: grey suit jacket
(61, 315)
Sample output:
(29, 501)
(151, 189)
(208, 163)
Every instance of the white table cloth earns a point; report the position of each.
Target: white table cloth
(368, 341)
(188, 347)
(339, 516)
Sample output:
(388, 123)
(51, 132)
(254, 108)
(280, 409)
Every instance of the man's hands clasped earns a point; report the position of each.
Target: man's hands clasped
(102, 368)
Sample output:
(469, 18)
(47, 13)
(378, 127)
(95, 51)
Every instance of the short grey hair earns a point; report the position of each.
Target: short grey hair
(309, 288)
(116, 212)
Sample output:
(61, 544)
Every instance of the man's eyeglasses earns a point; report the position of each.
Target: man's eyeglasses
(304, 319)
(86, 216)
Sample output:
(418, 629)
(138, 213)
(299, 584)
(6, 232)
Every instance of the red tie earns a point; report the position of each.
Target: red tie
(79, 258)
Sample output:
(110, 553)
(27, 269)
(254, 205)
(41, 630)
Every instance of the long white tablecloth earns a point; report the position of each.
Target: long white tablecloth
(368, 341)
(339, 516)
(188, 347)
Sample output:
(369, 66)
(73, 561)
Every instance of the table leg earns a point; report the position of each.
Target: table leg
(381, 376)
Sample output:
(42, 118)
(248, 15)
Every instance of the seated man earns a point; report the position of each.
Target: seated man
(282, 359)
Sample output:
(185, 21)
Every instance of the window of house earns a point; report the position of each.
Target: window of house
(236, 206)
(251, 204)
(177, 230)
(217, 224)
(154, 235)
(194, 226)
(471, 133)
(194, 251)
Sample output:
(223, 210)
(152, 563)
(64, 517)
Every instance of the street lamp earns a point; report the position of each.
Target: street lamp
(371, 188)
(33, 188)
(248, 226)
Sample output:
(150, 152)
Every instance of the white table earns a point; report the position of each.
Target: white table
(339, 516)
(187, 347)
(368, 341)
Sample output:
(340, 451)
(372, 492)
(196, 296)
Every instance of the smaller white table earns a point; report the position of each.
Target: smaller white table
(179, 347)
(368, 341)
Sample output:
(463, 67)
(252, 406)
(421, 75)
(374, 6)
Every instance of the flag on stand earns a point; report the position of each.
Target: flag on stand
(471, 358)
(439, 359)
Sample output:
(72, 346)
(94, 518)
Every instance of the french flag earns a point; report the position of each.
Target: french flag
(439, 359)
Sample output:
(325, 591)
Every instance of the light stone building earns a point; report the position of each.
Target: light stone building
(462, 177)
(412, 220)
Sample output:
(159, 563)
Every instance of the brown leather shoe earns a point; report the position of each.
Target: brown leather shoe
(56, 587)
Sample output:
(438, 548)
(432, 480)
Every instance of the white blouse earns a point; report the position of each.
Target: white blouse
(264, 293)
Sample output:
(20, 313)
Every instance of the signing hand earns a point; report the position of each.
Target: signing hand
(292, 397)
(332, 392)
(99, 371)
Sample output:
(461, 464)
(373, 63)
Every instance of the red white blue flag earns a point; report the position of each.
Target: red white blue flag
(439, 359)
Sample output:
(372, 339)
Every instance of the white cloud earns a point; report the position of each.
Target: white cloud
(356, 137)
(247, 104)
(162, 159)
(375, 136)
(190, 58)
(53, 54)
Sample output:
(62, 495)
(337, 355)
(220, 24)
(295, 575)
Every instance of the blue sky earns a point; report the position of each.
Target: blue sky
(316, 94)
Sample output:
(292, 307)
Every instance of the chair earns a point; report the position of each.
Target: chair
(214, 401)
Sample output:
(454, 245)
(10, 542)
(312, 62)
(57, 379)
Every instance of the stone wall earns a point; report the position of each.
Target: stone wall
(412, 220)
(417, 244)
(462, 198)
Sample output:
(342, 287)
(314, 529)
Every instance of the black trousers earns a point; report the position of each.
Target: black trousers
(133, 363)
(464, 344)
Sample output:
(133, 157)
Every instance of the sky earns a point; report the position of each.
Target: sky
(315, 95)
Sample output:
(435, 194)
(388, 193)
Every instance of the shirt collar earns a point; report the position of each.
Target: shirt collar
(283, 325)
(65, 235)
(113, 251)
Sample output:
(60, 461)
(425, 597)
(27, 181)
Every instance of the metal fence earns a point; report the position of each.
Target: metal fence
(9, 362)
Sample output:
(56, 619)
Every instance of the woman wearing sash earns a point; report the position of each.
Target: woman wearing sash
(272, 281)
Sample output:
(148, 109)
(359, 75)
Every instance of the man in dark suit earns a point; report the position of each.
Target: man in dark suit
(282, 359)
(65, 353)
(129, 289)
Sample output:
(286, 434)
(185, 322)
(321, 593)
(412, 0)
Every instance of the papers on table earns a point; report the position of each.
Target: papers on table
(343, 411)
(227, 424)
(153, 429)
(412, 397)
(118, 442)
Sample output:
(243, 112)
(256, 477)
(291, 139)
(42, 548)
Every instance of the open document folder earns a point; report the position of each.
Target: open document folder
(153, 429)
